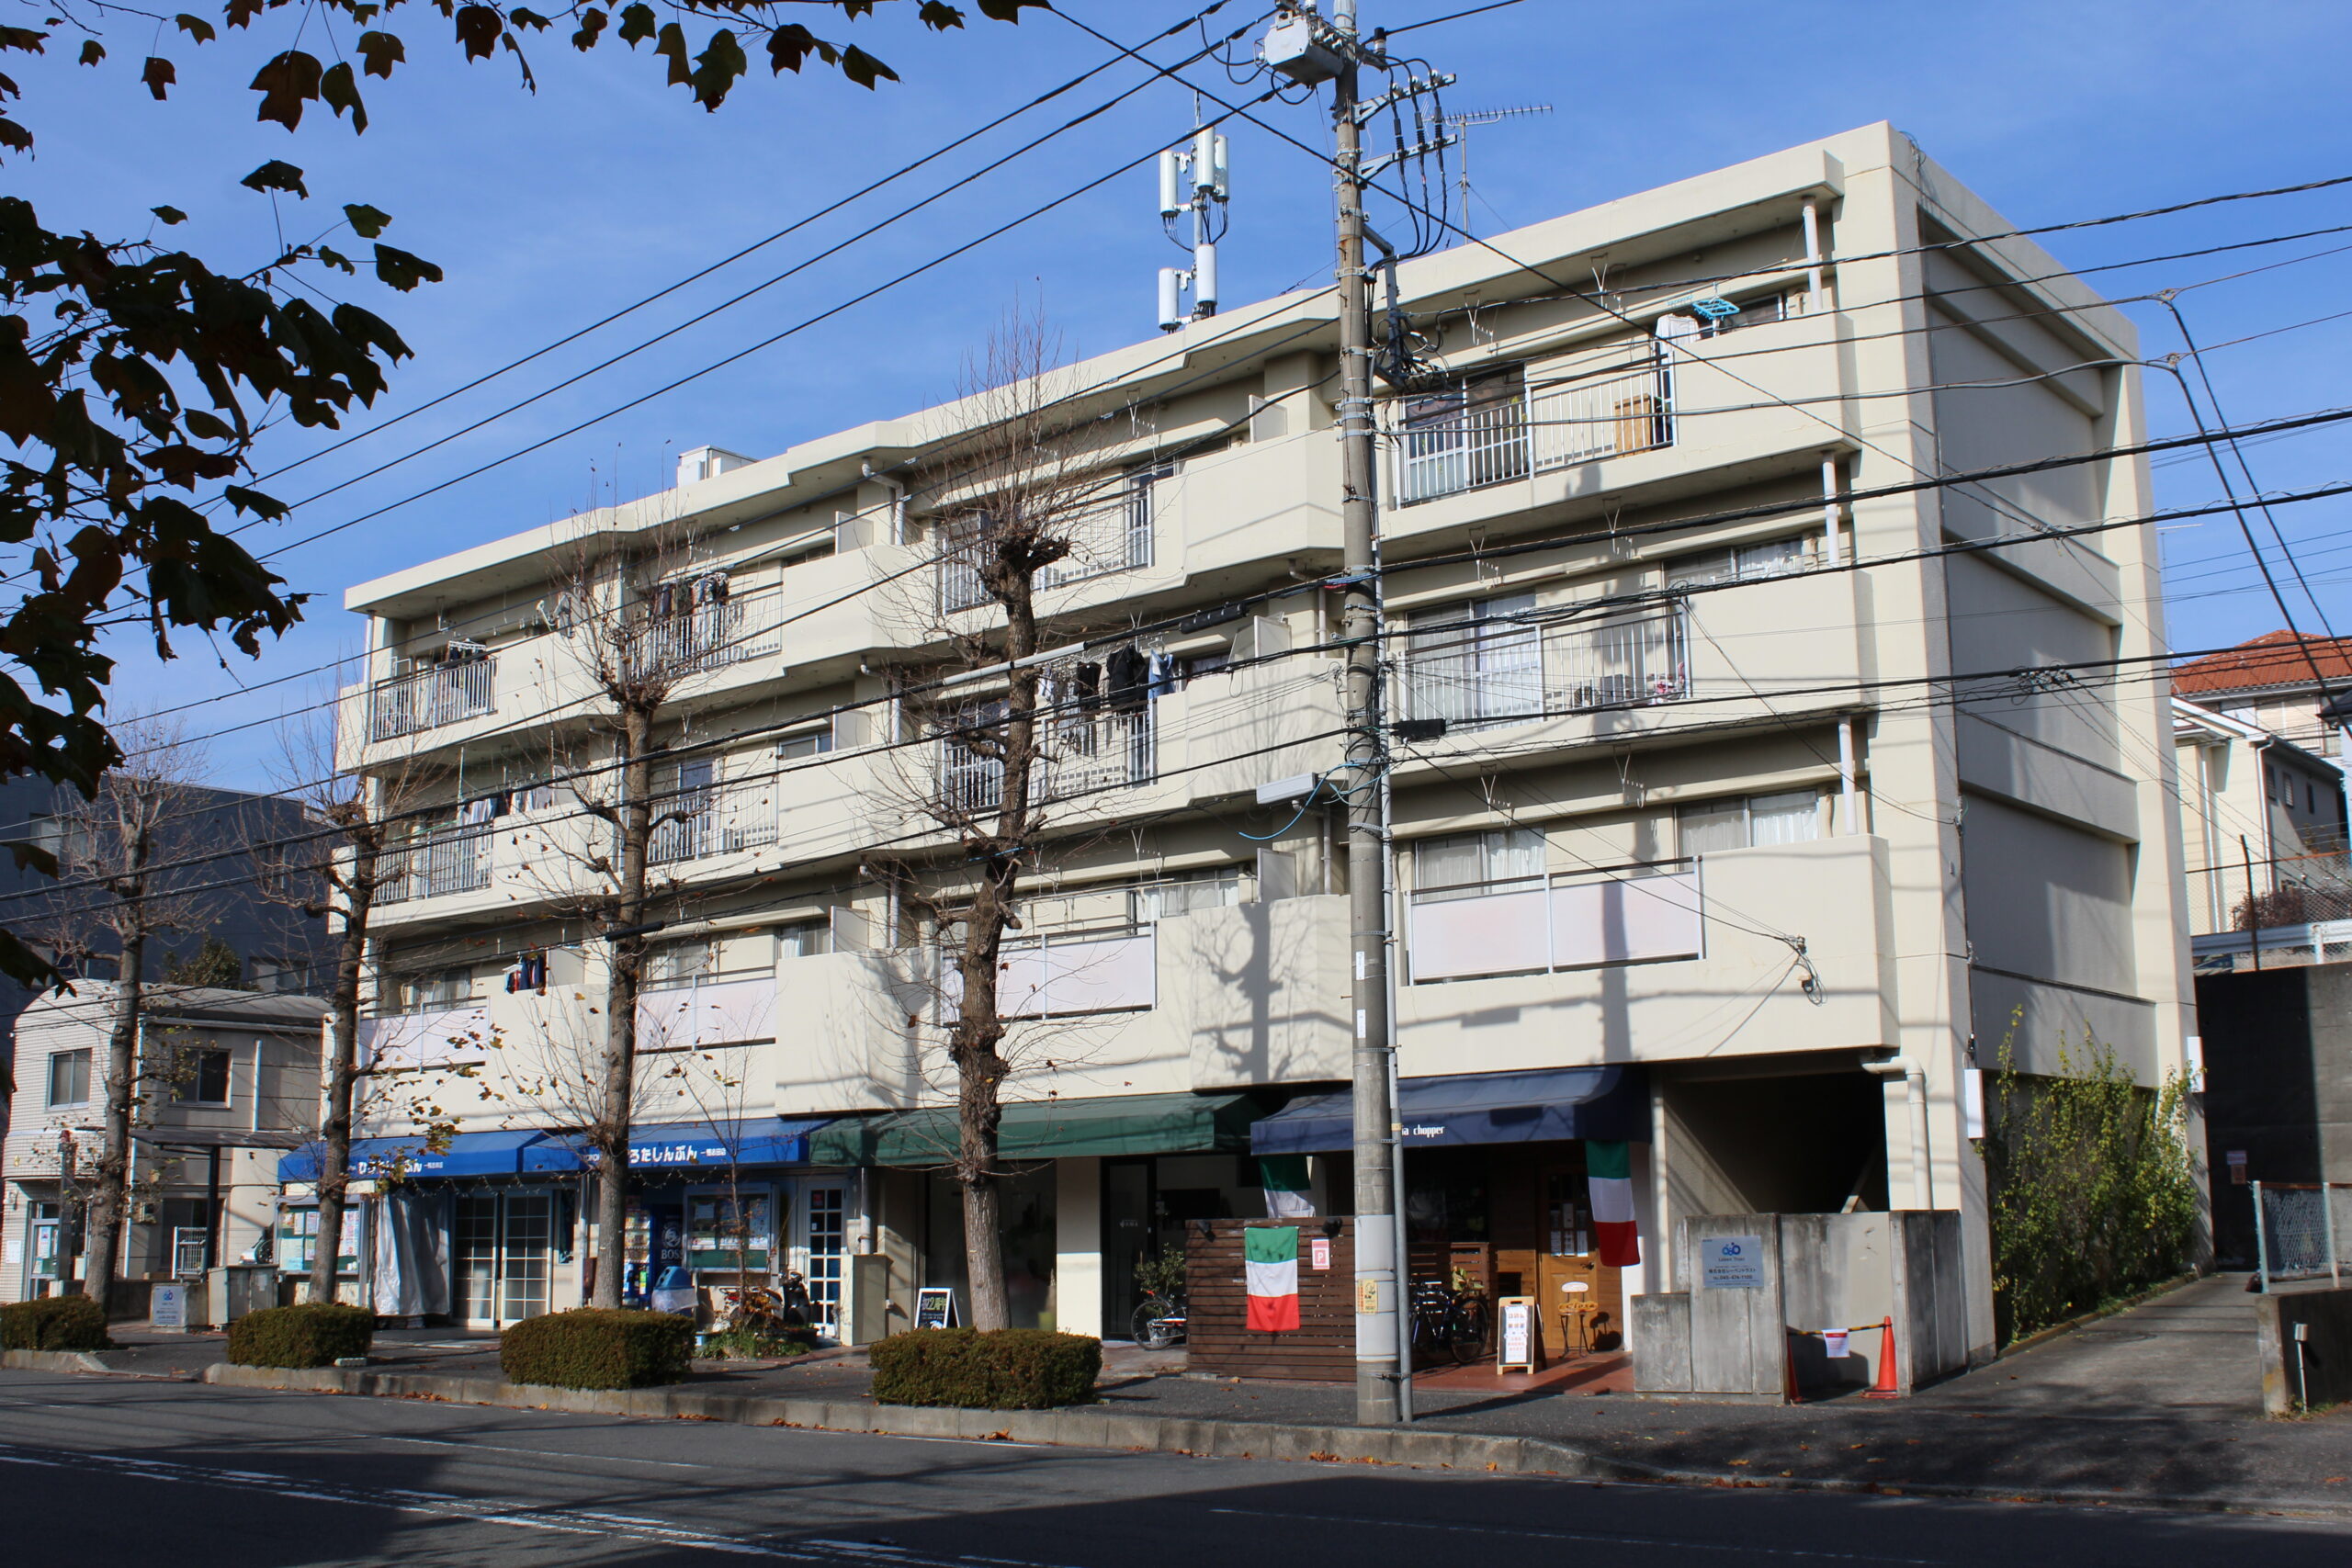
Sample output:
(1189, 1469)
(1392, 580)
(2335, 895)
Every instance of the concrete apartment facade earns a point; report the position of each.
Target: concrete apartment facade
(228, 1081)
(2259, 812)
(1695, 823)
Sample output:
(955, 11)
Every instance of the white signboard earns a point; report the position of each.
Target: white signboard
(1517, 1341)
(1735, 1262)
(167, 1307)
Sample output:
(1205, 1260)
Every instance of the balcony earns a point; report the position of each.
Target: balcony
(1114, 535)
(1472, 673)
(1633, 914)
(1067, 974)
(704, 637)
(427, 699)
(1626, 408)
(1083, 755)
(452, 861)
(721, 819)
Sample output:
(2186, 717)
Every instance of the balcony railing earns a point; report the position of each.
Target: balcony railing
(704, 637)
(1630, 914)
(427, 699)
(454, 861)
(1499, 672)
(720, 821)
(1113, 535)
(1064, 974)
(1629, 408)
(1080, 755)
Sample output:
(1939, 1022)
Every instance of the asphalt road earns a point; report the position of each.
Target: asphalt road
(109, 1472)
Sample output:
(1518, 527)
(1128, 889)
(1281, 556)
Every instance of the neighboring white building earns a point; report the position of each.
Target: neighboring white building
(1738, 836)
(2259, 813)
(228, 1082)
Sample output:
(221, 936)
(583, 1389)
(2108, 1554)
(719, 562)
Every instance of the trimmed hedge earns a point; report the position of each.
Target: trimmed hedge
(54, 1323)
(1004, 1368)
(598, 1348)
(310, 1334)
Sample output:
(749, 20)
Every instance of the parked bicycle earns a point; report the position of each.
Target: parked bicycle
(1159, 1321)
(1449, 1321)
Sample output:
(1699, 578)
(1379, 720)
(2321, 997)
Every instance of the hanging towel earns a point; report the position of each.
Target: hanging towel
(1163, 674)
(1126, 671)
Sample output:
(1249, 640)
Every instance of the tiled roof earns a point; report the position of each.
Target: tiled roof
(2274, 659)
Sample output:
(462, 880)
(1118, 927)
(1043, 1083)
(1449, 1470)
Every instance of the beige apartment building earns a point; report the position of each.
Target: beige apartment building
(1704, 843)
(2260, 815)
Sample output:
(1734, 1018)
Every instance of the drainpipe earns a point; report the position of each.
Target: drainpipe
(1848, 764)
(1813, 255)
(1915, 1082)
(1834, 542)
(897, 500)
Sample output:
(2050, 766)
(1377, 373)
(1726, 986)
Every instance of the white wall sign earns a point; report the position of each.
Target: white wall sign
(1734, 1262)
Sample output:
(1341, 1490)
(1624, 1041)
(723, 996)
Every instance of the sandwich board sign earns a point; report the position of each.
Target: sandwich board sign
(1516, 1346)
(935, 1307)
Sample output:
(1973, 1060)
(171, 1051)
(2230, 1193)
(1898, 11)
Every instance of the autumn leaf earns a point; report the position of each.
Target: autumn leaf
(169, 214)
(286, 83)
(159, 76)
(380, 52)
(403, 271)
(277, 176)
(365, 221)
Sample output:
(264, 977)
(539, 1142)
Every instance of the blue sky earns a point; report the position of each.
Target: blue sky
(547, 211)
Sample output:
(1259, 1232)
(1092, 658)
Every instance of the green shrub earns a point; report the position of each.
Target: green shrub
(54, 1323)
(598, 1348)
(313, 1334)
(1006, 1369)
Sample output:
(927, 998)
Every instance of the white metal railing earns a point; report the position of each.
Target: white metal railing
(1080, 754)
(452, 861)
(1629, 408)
(1058, 973)
(718, 820)
(1112, 535)
(1583, 919)
(1501, 670)
(706, 637)
(428, 698)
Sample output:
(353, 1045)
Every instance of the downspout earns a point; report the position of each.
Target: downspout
(1813, 257)
(1834, 543)
(1848, 765)
(1915, 1082)
(897, 501)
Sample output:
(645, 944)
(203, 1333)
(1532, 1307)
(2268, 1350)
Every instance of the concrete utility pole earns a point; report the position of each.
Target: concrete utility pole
(1308, 48)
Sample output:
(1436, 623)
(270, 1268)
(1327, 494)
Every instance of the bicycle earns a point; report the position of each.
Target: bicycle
(1448, 1322)
(1158, 1322)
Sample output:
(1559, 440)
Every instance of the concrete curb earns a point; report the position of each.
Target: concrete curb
(76, 1362)
(1060, 1428)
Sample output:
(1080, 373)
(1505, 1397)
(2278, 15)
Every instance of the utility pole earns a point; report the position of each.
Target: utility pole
(1307, 48)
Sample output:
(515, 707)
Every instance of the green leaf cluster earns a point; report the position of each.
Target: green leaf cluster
(972, 1368)
(598, 1348)
(314, 1334)
(2092, 1182)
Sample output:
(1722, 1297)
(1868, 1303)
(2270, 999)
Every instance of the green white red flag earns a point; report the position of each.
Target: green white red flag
(1609, 1173)
(1271, 1259)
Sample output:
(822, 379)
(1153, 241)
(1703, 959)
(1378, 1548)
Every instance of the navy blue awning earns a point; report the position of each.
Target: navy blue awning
(1609, 1103)
(757, 1139)
(468, 1153)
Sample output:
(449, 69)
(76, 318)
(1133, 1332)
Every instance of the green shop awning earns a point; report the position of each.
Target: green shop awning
(1118, 1124)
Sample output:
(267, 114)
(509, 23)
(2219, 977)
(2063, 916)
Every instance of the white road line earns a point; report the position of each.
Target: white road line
(1663, 1543)
(535, 1453)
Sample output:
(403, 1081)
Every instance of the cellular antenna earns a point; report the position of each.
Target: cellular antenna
(1207, 161)
(1458, 123)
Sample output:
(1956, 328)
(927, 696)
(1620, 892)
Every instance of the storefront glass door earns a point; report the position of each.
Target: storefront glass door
(825, 1248)
(501, 1247)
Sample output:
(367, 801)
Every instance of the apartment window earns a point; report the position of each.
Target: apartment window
(1466, 865)
(1191, 666)
(803, 939)
(1210, 889)
(1475, 663)
(1792, 816)
(200, 1078)
(1740, 563)
(808, 743)
(443, 988)
(673, 964)
(69, 1077)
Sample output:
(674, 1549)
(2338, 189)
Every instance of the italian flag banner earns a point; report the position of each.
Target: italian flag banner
(1273, 1261)
(1608, 1171)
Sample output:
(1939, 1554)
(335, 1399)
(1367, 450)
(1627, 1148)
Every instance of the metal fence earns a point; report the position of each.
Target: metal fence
(1112, 535)
(1497, 672)
(427, 699)
(2303, 1230)
(444, 862)
(718, 820)
(1080, 755)
(1624, 408)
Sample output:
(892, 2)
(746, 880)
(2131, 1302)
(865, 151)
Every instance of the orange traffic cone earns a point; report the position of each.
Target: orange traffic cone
(1789, 1372)
(1887, 1387)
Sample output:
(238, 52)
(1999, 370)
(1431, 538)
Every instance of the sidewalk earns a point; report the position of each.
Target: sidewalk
(2159, 1403)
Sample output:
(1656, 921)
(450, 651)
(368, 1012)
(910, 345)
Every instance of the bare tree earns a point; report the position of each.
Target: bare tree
(124, 883)
(338, 871)
(639, 624)
(1025, 501)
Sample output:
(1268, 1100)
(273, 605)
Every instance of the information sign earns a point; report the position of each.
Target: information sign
(1732, 1262)
(167, 1307)
(935, 1307)
(1516, 1346)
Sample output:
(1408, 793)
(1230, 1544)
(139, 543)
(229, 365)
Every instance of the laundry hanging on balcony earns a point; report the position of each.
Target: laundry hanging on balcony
(1127, 672)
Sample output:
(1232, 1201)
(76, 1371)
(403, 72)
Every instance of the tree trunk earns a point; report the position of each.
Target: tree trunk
(984, 1238)
(343, 1063)
(109, 1206)
(624, 973)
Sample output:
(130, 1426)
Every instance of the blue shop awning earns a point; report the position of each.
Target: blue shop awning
(686, 1145)
(1611, 1103)
(468, 1153)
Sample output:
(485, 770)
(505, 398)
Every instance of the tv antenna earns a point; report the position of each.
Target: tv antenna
(1458, 123)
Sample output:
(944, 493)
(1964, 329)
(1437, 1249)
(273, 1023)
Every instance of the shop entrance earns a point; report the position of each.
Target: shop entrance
(503, 1248)
(824, 1250)
(1147, 1201)
(1517, 1219)
(45, 1257)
